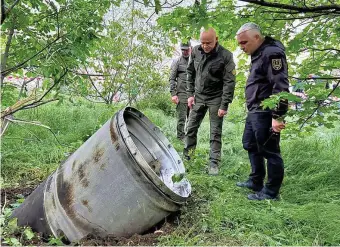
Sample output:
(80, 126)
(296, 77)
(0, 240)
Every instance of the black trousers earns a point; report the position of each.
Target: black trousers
(261, 143)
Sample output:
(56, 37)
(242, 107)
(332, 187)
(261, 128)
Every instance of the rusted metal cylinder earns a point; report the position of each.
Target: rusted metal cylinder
(118, 182)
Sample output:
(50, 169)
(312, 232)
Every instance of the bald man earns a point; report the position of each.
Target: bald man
(261, 138)
(210, 86)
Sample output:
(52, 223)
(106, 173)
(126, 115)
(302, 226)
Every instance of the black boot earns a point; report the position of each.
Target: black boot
(262, 195)
(250, 185)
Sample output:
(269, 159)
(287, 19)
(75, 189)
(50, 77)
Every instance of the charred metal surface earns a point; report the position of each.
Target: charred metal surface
(114, 136)
(156, 166)
(81, 171)
(48, 185)
(86, 204)
(74, 164)
(98, 153)
(85, 182)
(102, 166)
(82, 174)
(53, 202)
(66, 197)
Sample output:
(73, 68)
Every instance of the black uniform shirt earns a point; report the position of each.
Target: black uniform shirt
(268, 75)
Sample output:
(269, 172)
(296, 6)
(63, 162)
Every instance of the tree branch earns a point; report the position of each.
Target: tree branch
(5, 55)
(320, 103)
(92, 82)
(39, 104)
(297, 17)
(4, 13)
(23, 104)
(321, 78)
(18, 66)
(33, 123)
(24, 83)
(87, 74)
(332, 8)
(315, 49)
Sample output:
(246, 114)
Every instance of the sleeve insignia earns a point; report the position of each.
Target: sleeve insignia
(277, 63)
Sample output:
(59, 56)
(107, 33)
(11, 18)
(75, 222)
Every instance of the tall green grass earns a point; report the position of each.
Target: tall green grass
(29, 153)
(218, 212)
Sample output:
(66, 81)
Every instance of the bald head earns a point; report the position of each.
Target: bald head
(208, 40)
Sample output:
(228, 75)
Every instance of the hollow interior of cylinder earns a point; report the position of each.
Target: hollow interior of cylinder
(156, 154)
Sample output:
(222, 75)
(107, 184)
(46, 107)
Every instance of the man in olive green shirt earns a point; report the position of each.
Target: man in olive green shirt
(210, 86)
(178, 75)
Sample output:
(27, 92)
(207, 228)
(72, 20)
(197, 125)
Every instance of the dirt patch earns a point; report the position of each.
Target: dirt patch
(10, 195)
(148, 239)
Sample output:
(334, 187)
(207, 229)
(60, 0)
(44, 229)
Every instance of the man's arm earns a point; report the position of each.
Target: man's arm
(173, 77)
(278, 77)
(228, 82)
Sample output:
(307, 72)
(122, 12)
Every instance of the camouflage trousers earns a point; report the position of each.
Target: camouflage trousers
(196, 116)
(182, 116)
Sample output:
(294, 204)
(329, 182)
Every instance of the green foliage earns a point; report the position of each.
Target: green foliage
(49, 40)
(129, 55)
(274, 100)
(177, 177)
(55, 241)
(30, 153)
(11, 233)
(158, 100)
(311, 41)
(218, 212)
(9, 95)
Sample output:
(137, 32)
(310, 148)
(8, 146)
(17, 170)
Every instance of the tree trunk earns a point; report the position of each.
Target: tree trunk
(5, 55)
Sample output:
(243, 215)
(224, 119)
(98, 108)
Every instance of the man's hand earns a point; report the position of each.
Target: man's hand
(277, 125)
(191, 101)
(174, 99)
(221, 112)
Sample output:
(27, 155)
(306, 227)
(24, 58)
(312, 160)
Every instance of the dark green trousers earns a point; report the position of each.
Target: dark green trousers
(196, 116)
(182, 115)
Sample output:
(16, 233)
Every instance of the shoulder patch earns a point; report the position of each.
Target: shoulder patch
(234, 72)
(276, 63)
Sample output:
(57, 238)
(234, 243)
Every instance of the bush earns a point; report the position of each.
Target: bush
(159, 100)
(9, 95)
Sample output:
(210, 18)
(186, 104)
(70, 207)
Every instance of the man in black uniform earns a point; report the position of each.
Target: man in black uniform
(210, 87)
(261, 137)
(178, 76)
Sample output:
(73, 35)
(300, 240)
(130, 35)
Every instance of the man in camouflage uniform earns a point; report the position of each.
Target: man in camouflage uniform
(210, 86)
(178, 92)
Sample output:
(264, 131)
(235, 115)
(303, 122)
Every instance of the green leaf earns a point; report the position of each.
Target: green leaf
(12, 225)
(158, 6)
(55, 241)
(177, 177)
(28, 233)
(15, 242)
